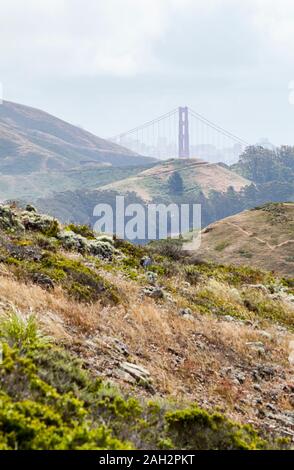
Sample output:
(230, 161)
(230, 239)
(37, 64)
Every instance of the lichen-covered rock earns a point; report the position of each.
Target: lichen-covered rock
(72, 241)
(43, 280)
(9, 219)
(139, 373)
(151, 278)
(185, 311)
(39, 222)
(281, 293)
(146, 261)
(100, 246)
(153, 292)
(105, 238)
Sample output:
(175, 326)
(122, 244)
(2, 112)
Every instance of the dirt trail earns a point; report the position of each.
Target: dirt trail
(264, 242)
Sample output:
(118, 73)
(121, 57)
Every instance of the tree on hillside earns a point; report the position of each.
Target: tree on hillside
(175, 184)
(263, 165)
(257, 164)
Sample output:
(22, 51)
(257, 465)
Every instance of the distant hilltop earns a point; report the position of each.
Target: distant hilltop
(32, 140)
(261, 237)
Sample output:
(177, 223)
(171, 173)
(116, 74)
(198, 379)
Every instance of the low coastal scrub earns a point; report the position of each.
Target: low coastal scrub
(48, 401)
(153, 318)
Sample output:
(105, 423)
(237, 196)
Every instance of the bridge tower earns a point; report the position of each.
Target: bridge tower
(184, 144)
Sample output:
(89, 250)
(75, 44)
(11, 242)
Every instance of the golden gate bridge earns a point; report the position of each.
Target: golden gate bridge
(182, 133)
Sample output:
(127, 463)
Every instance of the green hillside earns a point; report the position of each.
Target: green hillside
(80, 369)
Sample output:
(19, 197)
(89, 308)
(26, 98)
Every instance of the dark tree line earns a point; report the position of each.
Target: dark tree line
(262, 165)
(272, 174)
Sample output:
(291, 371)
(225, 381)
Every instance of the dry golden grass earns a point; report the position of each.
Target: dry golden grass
(55, 310)
(252, 238)
(186, 358)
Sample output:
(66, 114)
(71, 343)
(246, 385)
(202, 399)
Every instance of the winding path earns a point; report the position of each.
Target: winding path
(264, 242)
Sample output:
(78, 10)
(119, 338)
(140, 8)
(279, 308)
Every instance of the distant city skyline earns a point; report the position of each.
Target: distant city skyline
(164, 149)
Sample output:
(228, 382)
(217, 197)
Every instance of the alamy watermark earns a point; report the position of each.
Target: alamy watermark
(138, 222)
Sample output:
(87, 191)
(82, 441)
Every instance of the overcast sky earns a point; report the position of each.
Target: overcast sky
(113, 64)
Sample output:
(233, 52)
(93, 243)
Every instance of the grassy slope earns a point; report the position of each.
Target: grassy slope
(49, 402)
(263, 237)
(42, 184)
(201, 358)
(196, 174)
(32, 141)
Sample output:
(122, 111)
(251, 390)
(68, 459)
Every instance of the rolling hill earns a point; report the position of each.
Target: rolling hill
(197, 175)
(151, 184)
(262, 237)
(32, 140)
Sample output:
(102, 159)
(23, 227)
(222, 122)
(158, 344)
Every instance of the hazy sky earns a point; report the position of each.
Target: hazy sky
(113, 64)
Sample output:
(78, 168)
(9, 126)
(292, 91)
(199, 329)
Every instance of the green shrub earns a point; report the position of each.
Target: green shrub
(266, 308)
(233, 275)
(170, 248)
(23, 332)
(79, 281)
(196, 429)
(192, 274)
(136, 252)
(48, 401)
(209, 302)
(83, 230)
(46, 243)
